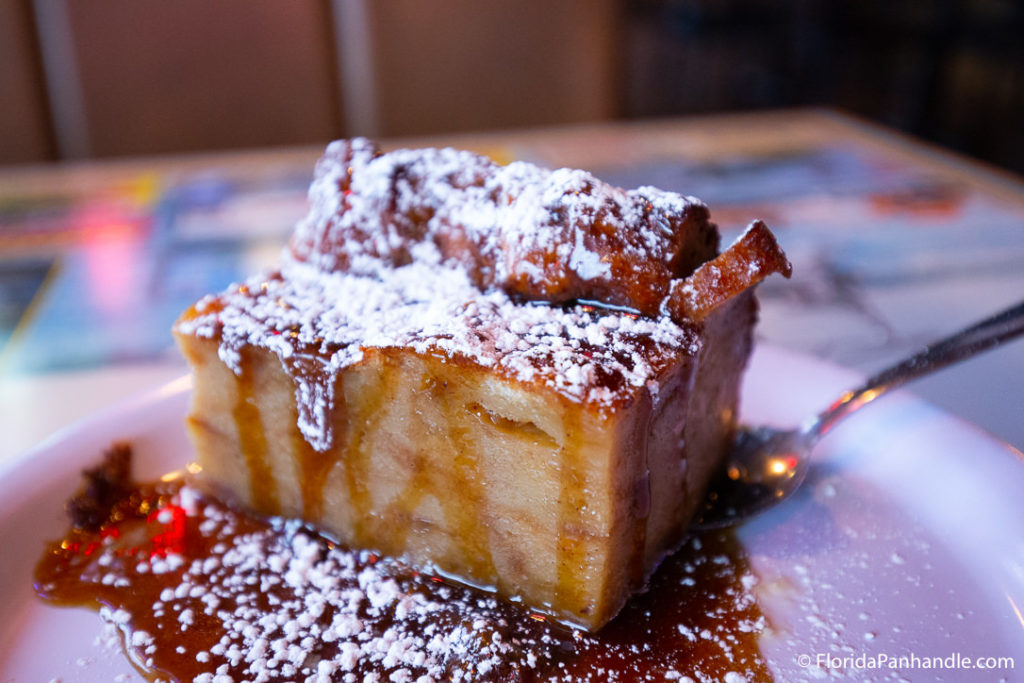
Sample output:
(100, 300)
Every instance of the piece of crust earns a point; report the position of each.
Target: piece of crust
(750, 259)
(557, 236)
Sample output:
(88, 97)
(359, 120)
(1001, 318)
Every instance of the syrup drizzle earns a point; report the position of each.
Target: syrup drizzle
(314, 465)
(458, 488)
(253, 440)
(466, 511)
(357, 459)
(699, 617)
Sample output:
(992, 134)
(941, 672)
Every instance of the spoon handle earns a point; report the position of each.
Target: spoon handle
(967, 343)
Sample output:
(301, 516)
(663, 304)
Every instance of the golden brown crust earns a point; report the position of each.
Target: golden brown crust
(555, 236)
(523, 377)
(752, 258)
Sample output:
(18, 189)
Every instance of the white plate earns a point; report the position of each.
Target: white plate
(908, 540)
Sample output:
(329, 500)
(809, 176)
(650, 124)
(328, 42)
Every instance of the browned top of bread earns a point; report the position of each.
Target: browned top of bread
(556, 236)
(548, 277)
(319, 324)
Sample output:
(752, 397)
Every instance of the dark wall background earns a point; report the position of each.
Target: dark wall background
(949, 71)
(116, 77)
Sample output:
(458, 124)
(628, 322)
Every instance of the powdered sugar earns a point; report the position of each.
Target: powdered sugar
(288, 606)
(271, 600)
(435, 196)
(321, 323)
(434, 251)
(553, 235)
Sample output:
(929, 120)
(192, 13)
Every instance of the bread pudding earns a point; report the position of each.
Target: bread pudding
(519, 378)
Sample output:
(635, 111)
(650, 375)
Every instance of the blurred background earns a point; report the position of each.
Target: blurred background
(895, 244)
(122, 77)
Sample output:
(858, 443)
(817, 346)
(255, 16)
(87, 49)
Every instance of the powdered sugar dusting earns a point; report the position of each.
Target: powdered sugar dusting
(271, 600)
(442, 252)
(553, 235)
(321, 323)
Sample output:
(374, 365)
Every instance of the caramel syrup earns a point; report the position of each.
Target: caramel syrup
(253, 440)
(698, 617)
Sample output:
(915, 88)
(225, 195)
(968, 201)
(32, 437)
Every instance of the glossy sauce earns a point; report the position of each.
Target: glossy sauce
(699, 617)
(459, 486)
(314, 467)
(253, 441)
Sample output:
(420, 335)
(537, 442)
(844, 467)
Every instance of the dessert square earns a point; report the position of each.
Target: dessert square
(518, 378)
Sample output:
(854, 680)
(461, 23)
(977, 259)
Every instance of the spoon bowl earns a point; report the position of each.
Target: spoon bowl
(766, 465)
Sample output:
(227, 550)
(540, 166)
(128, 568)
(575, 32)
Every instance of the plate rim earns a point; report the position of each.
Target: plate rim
(54, 450)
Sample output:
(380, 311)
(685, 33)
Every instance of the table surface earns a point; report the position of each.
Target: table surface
(893, 244)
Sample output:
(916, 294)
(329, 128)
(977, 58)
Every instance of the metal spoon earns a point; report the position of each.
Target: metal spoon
(767, 464)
